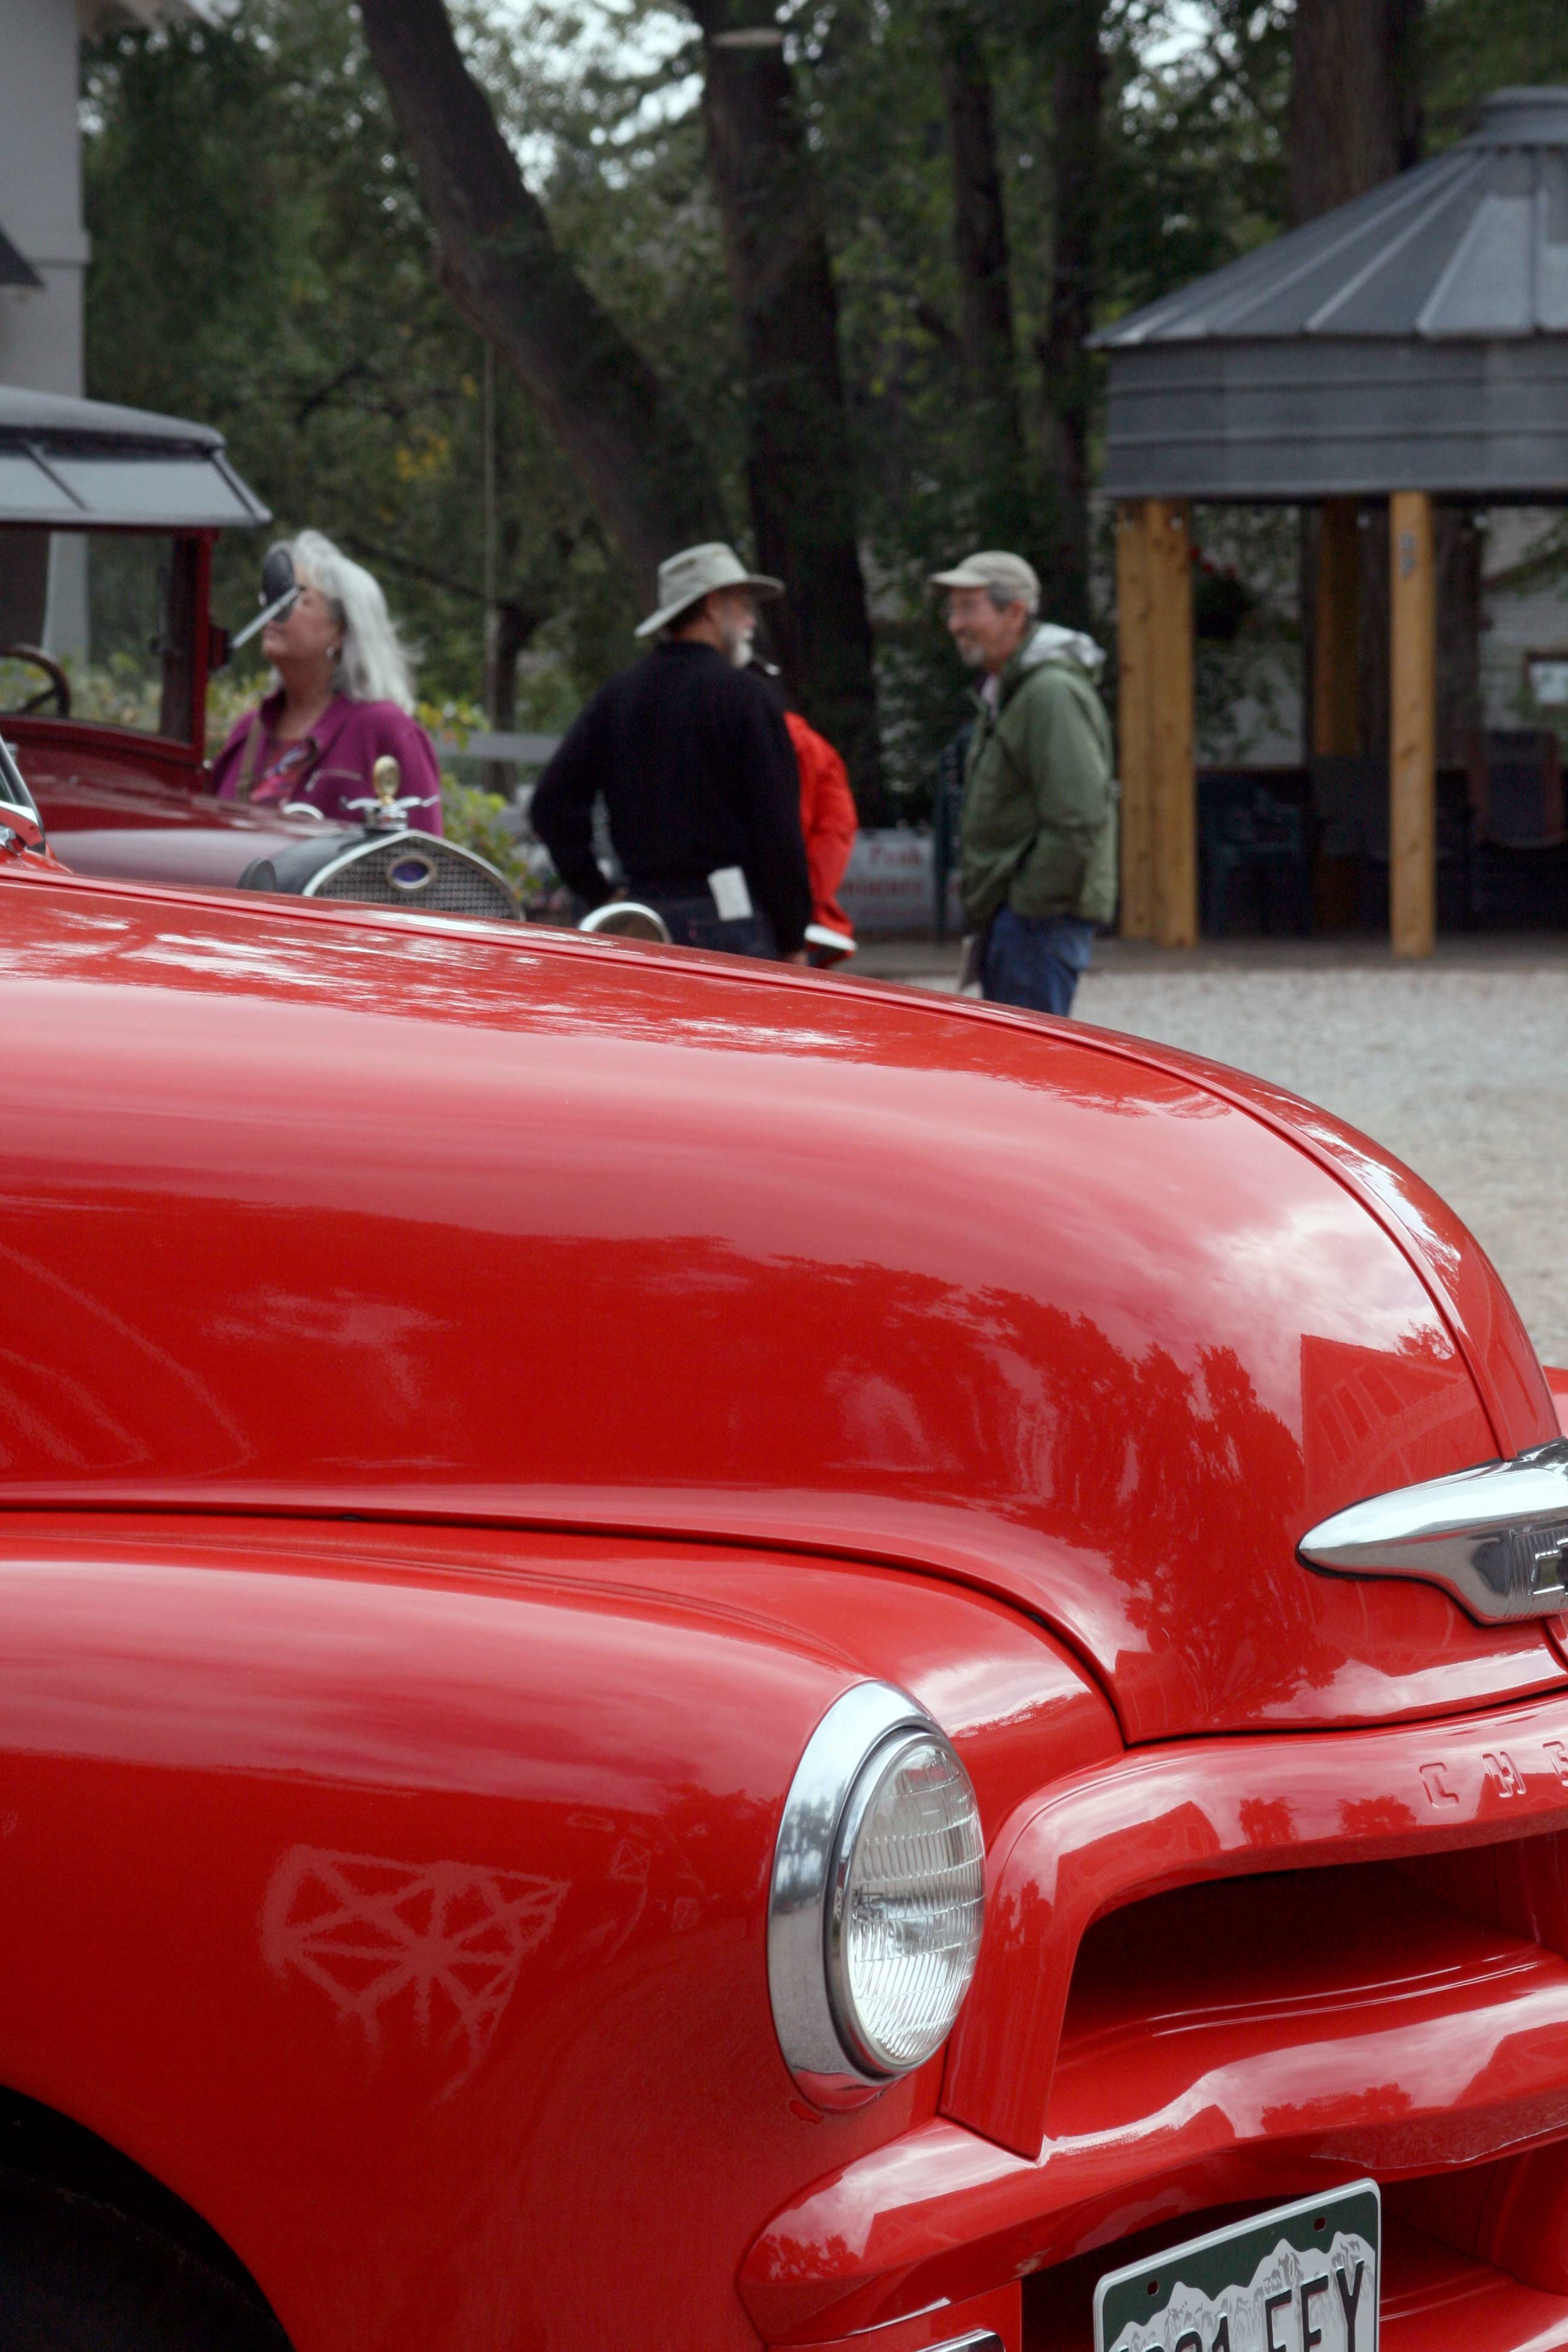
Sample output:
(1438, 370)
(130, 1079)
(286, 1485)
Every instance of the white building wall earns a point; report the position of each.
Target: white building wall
(40, 193)
(1524, 615)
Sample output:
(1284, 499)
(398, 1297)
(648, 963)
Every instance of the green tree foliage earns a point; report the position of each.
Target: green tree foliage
(260, 261)
(1472, 47)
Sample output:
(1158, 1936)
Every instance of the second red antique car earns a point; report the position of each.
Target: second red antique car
(697, 1658)
(109, 518)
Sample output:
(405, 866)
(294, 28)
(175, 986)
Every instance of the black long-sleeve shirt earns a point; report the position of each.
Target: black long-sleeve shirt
(697, 773)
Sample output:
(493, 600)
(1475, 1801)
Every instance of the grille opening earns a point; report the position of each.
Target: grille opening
(1251, 2039)
(427, 873)
(1230, 1973)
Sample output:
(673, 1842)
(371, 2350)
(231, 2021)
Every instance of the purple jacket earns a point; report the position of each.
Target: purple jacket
(332, 765)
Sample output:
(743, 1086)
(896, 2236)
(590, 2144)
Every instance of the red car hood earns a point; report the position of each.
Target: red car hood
(370, 1219)
(109, 817)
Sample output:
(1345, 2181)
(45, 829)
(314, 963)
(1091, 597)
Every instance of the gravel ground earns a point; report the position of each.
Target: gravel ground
(1460, 1066)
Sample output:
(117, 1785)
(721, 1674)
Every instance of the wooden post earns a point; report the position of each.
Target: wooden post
(1173, 786)
(1412, 727)
(1335, 663)
(1134, 747)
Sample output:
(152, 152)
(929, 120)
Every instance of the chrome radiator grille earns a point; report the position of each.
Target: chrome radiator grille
(418, 871)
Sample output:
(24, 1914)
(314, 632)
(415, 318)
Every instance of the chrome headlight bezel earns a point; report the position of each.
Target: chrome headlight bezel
(812, 2016)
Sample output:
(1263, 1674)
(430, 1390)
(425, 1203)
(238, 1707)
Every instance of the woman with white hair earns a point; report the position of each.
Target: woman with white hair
(342, 699)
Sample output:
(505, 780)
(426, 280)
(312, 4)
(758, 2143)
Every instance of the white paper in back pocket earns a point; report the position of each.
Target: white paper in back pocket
(731, 896)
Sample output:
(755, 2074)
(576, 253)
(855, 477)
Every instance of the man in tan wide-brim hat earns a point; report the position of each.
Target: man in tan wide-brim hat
(694, 761)
(699, 572)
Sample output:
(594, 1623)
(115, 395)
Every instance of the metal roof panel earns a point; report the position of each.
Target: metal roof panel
(157, 493)
(1340, 417)
(89, 465)
(1487, 287)
(27, 494)
(1385, 297)
(45, 415)
(1551, 246)
(1415, 338)
(1472, 243)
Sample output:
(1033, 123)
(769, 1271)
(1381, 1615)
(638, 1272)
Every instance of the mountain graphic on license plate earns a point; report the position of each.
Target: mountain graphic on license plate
(1301, 2278)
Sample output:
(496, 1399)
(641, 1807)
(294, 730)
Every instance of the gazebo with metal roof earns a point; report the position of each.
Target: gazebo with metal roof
(1411, 344)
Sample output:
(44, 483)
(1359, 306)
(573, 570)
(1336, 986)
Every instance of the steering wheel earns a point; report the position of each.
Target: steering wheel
(56, 689)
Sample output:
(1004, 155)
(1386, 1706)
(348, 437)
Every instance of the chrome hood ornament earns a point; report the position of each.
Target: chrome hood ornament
(1496, 1537)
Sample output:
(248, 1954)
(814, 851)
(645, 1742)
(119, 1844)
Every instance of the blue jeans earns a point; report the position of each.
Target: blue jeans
(696, 923)
(1034, 960)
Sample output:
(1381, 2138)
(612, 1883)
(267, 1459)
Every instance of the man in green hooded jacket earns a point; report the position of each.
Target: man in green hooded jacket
(1038, 833)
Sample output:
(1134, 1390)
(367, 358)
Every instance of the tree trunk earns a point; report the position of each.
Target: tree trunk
(1002, 515)
(1354, 121)
(511, 628)
(1355, 99)
(511, 624)
(508, 629)
(800, 470)
(1077, 86)
(625, 439)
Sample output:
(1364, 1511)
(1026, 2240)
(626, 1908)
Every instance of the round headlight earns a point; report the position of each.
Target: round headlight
(908, 1900)
(878, 1896)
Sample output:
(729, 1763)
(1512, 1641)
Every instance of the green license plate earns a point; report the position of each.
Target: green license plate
(1300, 2279)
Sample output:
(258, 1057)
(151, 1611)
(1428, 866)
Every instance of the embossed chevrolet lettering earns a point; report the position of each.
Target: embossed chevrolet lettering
(656, 1686)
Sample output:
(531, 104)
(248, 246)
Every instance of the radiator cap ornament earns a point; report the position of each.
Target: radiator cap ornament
(1495, 1537)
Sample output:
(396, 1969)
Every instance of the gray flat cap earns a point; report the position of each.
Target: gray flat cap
(995, 568)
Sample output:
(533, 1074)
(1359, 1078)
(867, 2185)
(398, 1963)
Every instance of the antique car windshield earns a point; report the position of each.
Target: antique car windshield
(96, 626)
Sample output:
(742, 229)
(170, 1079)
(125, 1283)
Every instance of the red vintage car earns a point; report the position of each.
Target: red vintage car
(109, 517)
(698, 1657)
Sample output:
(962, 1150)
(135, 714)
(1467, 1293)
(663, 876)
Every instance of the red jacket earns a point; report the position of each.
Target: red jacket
(828, 820)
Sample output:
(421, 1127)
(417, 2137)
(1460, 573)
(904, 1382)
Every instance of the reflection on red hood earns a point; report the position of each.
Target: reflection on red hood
(370, 1219)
